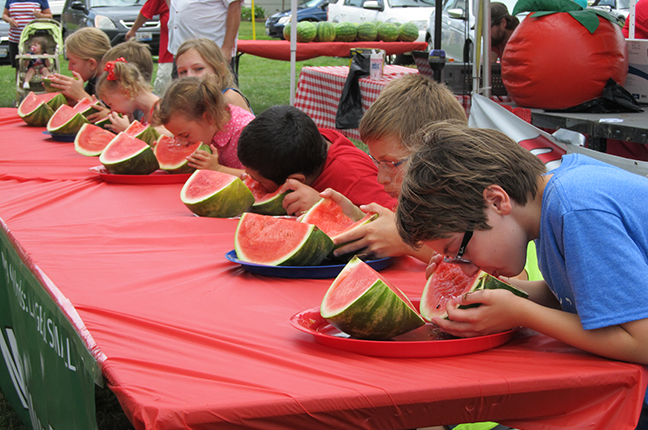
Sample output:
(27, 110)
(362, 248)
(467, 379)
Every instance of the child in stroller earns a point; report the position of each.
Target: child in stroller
(37, 65)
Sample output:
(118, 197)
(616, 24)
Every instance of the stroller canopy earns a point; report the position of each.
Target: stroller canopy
(42, 25)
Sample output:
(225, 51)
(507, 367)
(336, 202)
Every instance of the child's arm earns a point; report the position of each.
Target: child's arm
(501, 310)
(8, 19)
(301, 199)
(205, 161)
(378, 238)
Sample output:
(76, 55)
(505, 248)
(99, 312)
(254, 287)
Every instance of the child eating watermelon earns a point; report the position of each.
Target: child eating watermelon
(283, 147)
(477, 197)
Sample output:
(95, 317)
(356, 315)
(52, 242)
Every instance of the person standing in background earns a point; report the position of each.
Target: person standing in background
(18, 13)
(217, 20)
(165, 58)
(641, 21)
(502, 26)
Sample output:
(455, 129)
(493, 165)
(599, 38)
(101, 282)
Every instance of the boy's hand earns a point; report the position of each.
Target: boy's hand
(204, 160)
(498, 312)
(301, 199)
(117, 123)
(378, 238)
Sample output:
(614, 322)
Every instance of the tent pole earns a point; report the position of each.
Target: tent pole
(293, 49)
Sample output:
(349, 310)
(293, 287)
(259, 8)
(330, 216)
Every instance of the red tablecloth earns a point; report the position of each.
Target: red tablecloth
(280, 49)
(319, 90)
(188, 339)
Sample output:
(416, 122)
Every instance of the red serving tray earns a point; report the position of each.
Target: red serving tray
(418, 343)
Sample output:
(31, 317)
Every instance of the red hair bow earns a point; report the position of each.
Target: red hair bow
(110, 68)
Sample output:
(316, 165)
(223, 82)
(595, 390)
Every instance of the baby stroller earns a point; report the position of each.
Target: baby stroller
(52, 34)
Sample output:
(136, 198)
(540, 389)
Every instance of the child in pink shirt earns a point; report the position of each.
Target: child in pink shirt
(195, 110)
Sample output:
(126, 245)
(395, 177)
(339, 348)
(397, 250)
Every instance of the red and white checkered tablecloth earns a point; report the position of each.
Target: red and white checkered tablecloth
(319, 90)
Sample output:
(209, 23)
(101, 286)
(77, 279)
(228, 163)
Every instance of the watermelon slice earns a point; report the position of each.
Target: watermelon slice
(329, 217)
(91, 140)
(127, 155)
(216, 194)
(143, 132)
(66, 120)
(365, 305)
(87, 107)
(172, 154)
(449, 281)
(265, 203)
(36, 110)
(263, 239)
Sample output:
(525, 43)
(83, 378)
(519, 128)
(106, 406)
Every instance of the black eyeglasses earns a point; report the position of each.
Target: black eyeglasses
(462, 248)
(389, 166)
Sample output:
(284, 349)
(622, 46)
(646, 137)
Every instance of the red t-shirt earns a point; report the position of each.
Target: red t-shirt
(351, 172)
(159, 7)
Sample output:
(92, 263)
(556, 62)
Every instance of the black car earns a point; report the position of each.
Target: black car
(114, 17)
(311, 10)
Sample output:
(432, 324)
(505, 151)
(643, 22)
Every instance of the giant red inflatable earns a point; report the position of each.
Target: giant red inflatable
(553, 62)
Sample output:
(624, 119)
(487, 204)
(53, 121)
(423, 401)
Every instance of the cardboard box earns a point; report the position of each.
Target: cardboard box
(637, 81)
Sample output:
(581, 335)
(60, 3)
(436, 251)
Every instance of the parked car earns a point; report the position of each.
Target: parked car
(310, 10)
(620, 9)
(114, 17)
(56, 6)
(400, 11)
(457, 21)
(4, 44)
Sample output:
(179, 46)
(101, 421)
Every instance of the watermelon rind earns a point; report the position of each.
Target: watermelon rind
(228, 201)
(72, 126)
(388, 32)
(268, 203)
(408, 32)
(140, 162)
(377, 313)
(40, 115)
(367, 32)
(175, 168)
(148, 133)
(103, 123)
(306, 31)
(313, 248)
(325, 31)
(433, 303)
(87, 107)
(91, 132)
(345, 32)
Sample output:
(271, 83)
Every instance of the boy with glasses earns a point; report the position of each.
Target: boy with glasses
(283, 148)
(477, 197)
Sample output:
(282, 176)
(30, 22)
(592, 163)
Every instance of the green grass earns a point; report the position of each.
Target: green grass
(265, 83)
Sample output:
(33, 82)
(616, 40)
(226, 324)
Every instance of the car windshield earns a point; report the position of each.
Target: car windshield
(114, 3)
(310, 3)
(412, 3)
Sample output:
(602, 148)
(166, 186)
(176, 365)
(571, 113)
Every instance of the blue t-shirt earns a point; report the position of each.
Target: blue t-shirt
(593, 241)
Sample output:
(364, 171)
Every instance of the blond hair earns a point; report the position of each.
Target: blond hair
(405, 106)
(193, 98)
(128, 76)
(442, 192)
(213, 56)
(87, 43)
(135, 53)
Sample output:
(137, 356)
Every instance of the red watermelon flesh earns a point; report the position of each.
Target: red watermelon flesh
(329, 217)
(32, 101)
(263, 239)
(352, 284)
(204, 183)
(447, 281)
(258, 191)
(91, 140)
(128, 145)
(172, 153)
(62, 116)
(135, 128)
